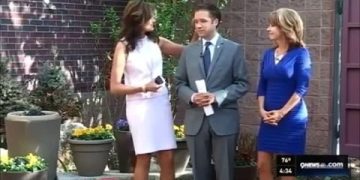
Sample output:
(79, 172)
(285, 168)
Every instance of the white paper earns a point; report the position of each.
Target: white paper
(201, 86)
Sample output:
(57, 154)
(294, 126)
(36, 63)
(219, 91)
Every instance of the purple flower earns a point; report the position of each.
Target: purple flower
(122, 125)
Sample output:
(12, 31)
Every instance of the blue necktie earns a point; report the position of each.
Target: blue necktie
(207, 58)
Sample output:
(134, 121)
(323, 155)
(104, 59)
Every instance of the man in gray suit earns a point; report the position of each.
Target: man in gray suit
(220, 63)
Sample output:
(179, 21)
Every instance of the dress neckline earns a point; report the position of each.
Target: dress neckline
(280, 58)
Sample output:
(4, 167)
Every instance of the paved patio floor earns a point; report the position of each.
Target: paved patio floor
(115, 175)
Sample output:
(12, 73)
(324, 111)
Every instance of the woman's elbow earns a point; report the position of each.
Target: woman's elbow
(179, 51)
(114, 90)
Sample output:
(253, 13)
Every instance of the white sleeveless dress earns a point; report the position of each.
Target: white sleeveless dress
(149, 114)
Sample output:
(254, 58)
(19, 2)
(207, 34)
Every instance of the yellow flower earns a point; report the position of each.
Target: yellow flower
(4, 157)
(78, 132)
(90, 131)
(179, 131)
(108, 127)
(33, 160)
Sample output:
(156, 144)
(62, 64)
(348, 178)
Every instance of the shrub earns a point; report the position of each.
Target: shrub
(13, 96)
(54, 93)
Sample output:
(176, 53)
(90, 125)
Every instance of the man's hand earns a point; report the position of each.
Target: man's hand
(203, 99)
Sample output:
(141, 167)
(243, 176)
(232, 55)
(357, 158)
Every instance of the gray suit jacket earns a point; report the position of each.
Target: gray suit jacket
(227, 79)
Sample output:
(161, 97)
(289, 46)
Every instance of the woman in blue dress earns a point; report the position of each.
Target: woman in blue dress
(284, 80)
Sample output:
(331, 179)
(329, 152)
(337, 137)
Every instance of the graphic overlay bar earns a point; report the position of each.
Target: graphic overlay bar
(322, 165)
(312, 165)
(285, 165)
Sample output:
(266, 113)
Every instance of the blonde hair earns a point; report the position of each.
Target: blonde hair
(290, 23)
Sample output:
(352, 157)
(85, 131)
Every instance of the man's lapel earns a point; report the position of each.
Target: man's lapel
(217, 52)
(198, 49)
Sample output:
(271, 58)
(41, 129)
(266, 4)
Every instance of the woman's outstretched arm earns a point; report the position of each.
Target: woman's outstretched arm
(170, 48)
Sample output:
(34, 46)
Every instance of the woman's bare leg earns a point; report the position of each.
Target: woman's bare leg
(264, 165)
(166, 160)
(142, 167)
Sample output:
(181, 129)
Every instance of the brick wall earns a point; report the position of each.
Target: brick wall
(245, 21)
(33, 32)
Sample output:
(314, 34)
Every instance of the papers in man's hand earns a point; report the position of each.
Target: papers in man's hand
(201, 86)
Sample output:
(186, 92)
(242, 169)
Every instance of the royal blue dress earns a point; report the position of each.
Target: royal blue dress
(278, 82)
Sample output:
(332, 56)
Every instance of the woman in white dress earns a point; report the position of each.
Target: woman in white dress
(138, 57)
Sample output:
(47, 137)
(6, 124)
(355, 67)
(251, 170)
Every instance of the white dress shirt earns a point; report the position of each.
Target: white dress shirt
(212, 46)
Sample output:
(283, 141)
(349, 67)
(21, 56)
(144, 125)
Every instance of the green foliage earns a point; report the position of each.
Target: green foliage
(13, 97)
(222, 3)
(109, 24)
(51, 78)
(95, 29)
(112, 23)
(33, 111)
(54, 93)
(169, 24)
(28, 163)
(3, 67)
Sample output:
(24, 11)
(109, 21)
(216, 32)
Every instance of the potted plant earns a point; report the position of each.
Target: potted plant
(182, 155)
(90, 149)
(124, 146)
(245, 159)
(13, 97)
(29, 167)
(34, 131)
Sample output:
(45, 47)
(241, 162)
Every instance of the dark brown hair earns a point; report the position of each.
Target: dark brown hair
(213, 10)
(136, 14)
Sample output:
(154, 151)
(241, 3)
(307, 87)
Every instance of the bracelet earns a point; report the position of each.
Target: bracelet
(143, 88)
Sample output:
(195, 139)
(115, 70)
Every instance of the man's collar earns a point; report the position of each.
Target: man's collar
(213, 40)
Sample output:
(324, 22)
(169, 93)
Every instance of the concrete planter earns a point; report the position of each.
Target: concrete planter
(125, 151)
(38, 175)
(90, 156)
(34, 134)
